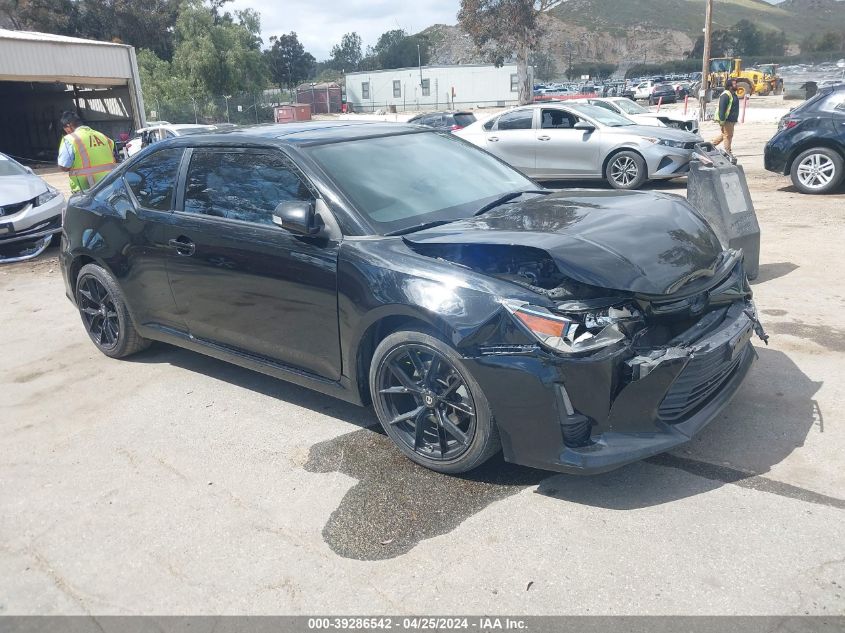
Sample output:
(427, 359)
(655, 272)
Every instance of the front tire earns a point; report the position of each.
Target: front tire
(743, 89)
(626, 170)
(817, 171)
(429, 404)
(104, 314)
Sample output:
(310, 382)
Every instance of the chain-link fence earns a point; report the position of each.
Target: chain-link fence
(240, 109)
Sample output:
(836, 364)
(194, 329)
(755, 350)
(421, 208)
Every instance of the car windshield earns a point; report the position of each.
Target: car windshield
(630, 107)
(9, 167)
(407, 180)
(600, 115)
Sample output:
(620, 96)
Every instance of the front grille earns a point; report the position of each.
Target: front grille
(11, 209)
(697, 383)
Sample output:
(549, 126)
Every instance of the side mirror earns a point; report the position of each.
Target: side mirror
(583, 125)
(298, 217)
(29, 170)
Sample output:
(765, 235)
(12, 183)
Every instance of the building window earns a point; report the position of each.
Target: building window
(397, 89)
(365, 89)
(426, 87)
(514, 83)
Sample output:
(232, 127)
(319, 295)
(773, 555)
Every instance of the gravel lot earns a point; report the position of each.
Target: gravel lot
(172, 483)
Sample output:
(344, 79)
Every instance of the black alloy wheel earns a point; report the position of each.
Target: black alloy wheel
(98, 311)
(104, 313)
(429, 405)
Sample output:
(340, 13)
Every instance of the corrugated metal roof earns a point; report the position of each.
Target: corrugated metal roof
(33, 36)
(29, 56)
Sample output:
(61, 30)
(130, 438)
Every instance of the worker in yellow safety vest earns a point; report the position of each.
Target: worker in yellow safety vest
(727, 115)
(87, 155)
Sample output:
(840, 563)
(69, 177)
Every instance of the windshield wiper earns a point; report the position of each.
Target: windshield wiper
(419, 227)
(504, 199)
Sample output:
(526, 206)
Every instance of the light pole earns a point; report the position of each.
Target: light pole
(419, 63)
(227, 97)
(705, 64)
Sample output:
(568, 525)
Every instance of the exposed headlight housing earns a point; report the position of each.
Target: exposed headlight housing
(575, 332)
(48, 195)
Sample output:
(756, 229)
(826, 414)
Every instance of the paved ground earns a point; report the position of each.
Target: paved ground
(172, 483)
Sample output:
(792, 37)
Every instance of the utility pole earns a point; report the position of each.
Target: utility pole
(419, 63)
(705, 63)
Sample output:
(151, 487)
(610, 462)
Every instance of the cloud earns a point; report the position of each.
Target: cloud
(320, 25)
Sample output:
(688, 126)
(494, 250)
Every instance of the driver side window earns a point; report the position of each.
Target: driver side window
(153, 179)
(245, 186)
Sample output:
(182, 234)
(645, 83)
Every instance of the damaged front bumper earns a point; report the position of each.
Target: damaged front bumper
(595, 413)
(27, 233)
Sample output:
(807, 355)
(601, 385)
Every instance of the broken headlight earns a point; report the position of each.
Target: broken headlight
(577, 331)
(45, 197)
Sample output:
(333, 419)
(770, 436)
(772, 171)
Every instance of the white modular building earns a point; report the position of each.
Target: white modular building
(42, 75)
(433, 87)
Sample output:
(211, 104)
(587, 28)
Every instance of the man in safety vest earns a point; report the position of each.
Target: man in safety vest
(86, 154)
(727, 114)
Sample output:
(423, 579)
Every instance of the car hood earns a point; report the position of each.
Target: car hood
(17, 189)
(638, 242)
(668, 133)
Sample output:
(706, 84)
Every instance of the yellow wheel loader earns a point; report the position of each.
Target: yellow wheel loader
(763, 80)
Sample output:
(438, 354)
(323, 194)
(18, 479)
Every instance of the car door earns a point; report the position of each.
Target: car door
(513, 140)
(146, 197)
(563, 151)
(239, 280)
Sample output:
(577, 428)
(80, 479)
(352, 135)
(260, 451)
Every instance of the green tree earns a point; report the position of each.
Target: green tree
(502, 29)
(346, 56)
(397, 49)
(287, 61)
(218, 58)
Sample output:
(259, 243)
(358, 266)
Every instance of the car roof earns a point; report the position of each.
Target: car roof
(302, 133)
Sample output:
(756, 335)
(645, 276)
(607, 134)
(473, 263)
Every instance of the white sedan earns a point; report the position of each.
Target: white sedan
(30, 212)
(644, 116)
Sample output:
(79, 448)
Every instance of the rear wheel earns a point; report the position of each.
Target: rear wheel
(104, 313)
(626, 170)
(817, 170)
(429, 404)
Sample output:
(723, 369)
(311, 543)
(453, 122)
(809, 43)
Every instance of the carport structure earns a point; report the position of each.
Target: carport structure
(41, 75)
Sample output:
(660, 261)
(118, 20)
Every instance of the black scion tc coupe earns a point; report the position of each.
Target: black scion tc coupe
(403, 267)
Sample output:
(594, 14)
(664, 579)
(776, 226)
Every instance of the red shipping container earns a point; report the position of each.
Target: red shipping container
(293, 112)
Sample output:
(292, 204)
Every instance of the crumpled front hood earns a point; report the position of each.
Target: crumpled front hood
(16, 189)
(631, 241)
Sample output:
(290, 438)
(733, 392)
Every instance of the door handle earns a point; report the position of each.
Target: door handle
(493, 139)
(183, 246)
(544, 138)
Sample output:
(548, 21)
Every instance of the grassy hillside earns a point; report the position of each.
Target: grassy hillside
(795, 17)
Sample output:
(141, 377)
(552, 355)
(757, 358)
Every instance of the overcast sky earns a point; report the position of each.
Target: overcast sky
(320, 24)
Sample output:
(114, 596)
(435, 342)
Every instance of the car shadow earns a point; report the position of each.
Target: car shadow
(256, 382)
(384, 514)
(774, 270)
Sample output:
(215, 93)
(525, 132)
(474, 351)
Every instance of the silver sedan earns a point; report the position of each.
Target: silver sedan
(582, 141)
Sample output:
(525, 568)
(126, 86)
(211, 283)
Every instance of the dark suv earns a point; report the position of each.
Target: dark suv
(576, 331)
(445, 120)
(810, 143)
